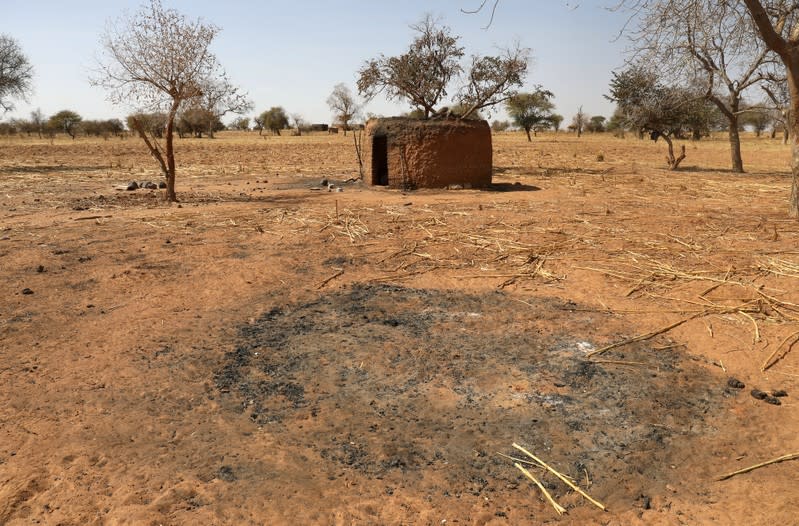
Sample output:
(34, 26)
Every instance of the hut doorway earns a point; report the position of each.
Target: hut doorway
(380, 160)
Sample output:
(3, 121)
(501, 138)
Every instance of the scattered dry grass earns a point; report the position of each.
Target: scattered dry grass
(699, 258)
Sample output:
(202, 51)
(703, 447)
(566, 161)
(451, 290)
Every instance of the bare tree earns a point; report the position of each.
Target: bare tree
(707, 43)
(420, 75)
(299, 122)
(579, 121)
(423, 74)
(219, 98)
(159, 60)
(493, 80)
(16, 73)
(38, 121)
(343, 105)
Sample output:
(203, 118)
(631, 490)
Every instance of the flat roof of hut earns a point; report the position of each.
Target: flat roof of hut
(406, 153)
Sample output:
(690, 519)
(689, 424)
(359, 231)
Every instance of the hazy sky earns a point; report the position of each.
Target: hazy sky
(291, 53)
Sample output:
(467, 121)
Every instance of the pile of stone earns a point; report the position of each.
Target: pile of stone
(143, 185)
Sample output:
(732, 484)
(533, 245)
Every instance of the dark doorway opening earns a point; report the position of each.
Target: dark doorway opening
(380, 160)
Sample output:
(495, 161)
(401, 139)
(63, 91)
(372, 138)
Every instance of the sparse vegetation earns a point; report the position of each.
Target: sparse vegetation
(596, 124)
(423, 75)
(65, 121)
(532, 111)
(160, 59)
(707, 47)
(343, 105)
(647, 105)
(274, 119)
(579, 122)
(314, 337)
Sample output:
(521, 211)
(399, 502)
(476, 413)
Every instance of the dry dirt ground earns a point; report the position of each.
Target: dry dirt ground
(267, 352)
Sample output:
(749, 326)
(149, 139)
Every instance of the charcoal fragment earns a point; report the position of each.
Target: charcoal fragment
(735, 383)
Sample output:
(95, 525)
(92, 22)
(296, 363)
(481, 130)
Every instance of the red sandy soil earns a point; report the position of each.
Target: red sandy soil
(268, 352)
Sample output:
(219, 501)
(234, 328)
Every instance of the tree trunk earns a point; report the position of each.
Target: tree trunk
(674, 163)
(792, 130)
(529, 139)
(696, 134)
(773, 132)
(171, 196)
(154, 151)
(735, 146)
(793, 204)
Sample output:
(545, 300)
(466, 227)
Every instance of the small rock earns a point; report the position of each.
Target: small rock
(27, 291)
(757, 393)
(339, 189)
(772, 400)
(133, 185)
(226, 473)
(41, 269)
(162, 185)
(779, 393)
(735, 383)
(324, 182)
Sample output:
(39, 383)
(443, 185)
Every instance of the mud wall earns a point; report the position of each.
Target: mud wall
(410, 153)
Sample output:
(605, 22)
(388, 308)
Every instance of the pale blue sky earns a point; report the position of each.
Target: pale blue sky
(291, 53)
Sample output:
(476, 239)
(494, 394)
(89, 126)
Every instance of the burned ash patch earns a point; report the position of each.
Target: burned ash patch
(388, 380)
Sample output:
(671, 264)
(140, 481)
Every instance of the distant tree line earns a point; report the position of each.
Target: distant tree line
(64, 122)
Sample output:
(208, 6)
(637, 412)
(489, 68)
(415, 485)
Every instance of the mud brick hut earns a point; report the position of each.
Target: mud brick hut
(410, 153)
